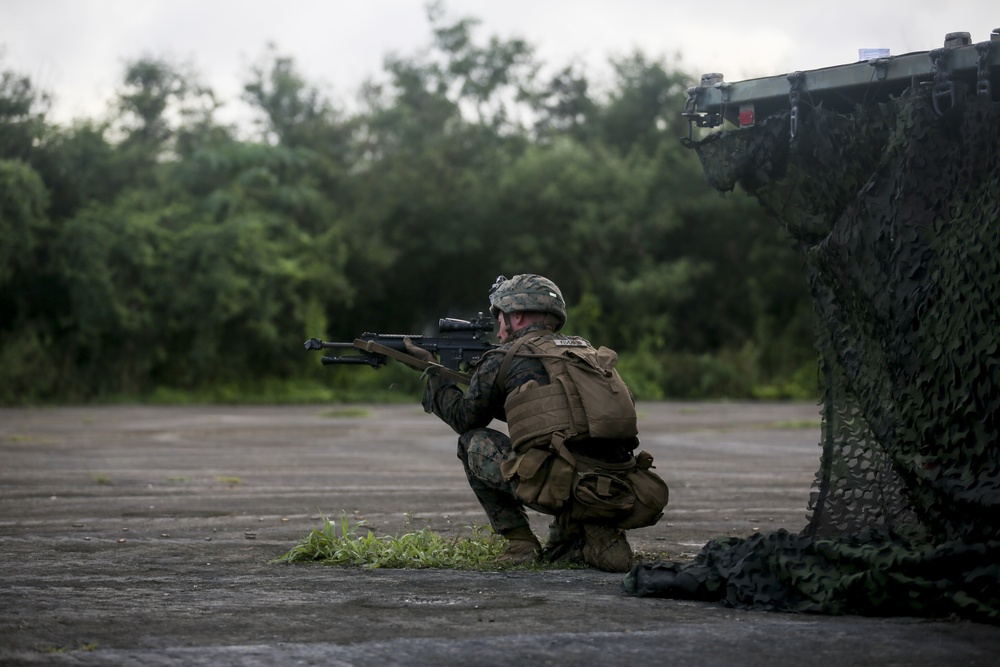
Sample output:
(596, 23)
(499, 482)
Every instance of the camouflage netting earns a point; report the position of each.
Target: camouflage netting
(895, 210)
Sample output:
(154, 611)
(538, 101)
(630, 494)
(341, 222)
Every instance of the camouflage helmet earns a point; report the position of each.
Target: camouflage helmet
(529, 293)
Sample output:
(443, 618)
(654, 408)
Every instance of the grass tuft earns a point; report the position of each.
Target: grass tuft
(101, 478)
(224, 479)
(347, 544)
(344, 543)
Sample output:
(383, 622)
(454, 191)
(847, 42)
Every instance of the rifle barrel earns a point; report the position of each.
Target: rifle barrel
(331, 361)
(336, 346)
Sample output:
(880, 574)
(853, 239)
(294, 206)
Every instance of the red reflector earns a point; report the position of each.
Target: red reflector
(746, 117)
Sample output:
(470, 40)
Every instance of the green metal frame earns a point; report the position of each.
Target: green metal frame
(843, 87)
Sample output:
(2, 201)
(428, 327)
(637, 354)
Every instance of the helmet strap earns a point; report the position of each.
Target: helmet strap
(508, 325)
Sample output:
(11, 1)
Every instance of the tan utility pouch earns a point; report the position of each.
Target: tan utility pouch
(627, 495)
(544, 476)
(601, 491)
(651, 494)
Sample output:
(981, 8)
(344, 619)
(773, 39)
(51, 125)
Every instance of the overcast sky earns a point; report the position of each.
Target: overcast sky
(76, 49)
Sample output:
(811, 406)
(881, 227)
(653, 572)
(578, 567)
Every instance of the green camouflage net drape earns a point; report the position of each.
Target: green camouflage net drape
(895, 210)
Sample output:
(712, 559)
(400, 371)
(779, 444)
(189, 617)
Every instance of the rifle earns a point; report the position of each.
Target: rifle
(461, 346)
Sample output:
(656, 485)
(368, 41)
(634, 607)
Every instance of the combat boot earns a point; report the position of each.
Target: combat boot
(606, 548)
(522, 547)
(565, 543)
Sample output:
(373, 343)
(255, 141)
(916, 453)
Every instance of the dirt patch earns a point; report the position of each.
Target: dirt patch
(139, 535)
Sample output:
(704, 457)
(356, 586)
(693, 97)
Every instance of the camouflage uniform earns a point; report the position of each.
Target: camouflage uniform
(481, 449)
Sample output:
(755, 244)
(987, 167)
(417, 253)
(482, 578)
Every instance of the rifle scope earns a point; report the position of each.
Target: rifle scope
(481, 323)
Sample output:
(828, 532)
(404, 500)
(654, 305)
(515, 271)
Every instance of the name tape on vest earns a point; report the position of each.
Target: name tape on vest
(570, 343)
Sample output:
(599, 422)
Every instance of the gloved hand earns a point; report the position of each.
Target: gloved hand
(417, 352)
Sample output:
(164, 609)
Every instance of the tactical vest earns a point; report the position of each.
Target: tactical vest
(586, 399)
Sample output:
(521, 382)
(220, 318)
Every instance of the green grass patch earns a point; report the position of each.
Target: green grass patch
(25, 439)
(353, 544)
(267, 392)
(350, 411)
(102, 478)
(232, 481)
(393, 384)
(344, 543)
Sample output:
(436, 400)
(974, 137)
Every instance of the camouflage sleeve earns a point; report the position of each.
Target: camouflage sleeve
(483, 401)
(480, 404)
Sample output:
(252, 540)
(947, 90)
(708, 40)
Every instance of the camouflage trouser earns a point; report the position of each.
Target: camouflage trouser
(481, 452)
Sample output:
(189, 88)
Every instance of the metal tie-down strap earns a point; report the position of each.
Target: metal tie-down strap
(984, 88)
(944, 88)
(795, 80)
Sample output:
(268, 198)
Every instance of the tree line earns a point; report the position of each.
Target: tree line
(157, 249)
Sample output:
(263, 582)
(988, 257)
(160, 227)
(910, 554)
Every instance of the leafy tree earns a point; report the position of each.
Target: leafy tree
(563, 106)
(291, 112)
(23, 222)
(22, 115)
(428, 170)
(265, 226)
(162, 107)
(25, 372)
(108, 267)
(491, 78)
(642, 107)
(588, 218)
(80, 166)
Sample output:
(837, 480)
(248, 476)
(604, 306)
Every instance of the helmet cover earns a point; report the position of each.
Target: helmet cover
(527, 292)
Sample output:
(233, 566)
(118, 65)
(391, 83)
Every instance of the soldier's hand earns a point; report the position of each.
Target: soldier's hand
(417, 352)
